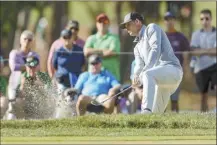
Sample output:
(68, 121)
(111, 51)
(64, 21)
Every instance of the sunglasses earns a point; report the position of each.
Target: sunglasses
(206, 18)
(74, 28)
(95, 63)
(66, 37)
(29, 39)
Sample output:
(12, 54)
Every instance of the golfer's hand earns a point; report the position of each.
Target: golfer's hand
(136, 82)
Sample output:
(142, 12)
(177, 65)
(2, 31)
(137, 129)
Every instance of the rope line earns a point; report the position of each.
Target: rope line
(119, 53)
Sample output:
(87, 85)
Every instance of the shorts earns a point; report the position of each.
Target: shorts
(206, 77)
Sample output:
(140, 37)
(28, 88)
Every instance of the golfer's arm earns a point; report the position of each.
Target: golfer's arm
(139, 63)
(154, 41)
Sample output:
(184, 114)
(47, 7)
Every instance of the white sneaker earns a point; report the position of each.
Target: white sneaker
(146, 112)
(11, 116)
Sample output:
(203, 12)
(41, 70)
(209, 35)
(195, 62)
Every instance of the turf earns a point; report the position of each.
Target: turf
(168, 120)
(107, 128)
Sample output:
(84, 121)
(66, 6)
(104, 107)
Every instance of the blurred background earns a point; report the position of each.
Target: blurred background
(46, 19)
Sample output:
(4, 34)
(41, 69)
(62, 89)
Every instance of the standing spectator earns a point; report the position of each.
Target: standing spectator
(179, 43)
(135, 96)
(3, 88)
(74, 27)
(17, 65)
(203, 43)
(105, 44)
(3, 81)
(67, 62)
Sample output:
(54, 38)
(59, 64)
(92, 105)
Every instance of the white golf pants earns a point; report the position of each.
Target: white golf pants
(158, 85)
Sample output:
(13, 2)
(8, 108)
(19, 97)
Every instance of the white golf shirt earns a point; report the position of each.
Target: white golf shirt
(153, 49)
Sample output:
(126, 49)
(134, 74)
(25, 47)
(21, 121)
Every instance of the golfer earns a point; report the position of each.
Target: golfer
(157, 68)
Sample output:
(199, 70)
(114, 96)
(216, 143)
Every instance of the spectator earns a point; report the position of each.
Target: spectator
(3, 88)
(135, 96)
(32, 90)
(179, 43)
(74, 27)
(105, 44)
(3, 84)
(17, 65)
(67, 62)
(96, 84)
(203, 43)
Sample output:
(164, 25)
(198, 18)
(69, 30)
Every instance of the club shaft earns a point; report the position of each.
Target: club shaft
(115, 95)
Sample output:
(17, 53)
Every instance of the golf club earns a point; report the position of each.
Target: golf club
(96, 103)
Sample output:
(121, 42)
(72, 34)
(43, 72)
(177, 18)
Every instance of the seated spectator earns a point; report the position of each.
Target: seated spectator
(97, 84)
(67, 62)
(17, 65)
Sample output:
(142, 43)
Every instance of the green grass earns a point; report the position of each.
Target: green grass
(107, 128)
(168, 120)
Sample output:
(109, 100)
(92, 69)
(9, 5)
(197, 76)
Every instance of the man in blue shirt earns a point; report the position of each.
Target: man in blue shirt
(97, 84)
(68, 62)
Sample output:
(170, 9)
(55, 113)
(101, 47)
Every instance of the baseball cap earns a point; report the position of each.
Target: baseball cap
(28, 34)
(102, 18)
(73, 24)
(94, 59)
(32, 61)
(66, 34)
(131, 17)
(169, 15)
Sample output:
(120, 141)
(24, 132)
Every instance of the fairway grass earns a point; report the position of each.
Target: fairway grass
(109, 129)
(111, 140)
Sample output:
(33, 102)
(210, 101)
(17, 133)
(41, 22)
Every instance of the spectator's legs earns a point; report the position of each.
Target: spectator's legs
(132, 102)
(81, 105)
(175, 106)
(109, 105)
(203, 81)
(117, 109)
(11, 105)
(174, 100)
(204, 102)
(3, 105)
(60, 104)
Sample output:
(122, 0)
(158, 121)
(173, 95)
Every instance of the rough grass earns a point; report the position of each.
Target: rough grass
(168, 120)
(115, 125)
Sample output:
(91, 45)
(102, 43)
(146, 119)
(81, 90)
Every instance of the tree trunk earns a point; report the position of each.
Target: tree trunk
(59, 10)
